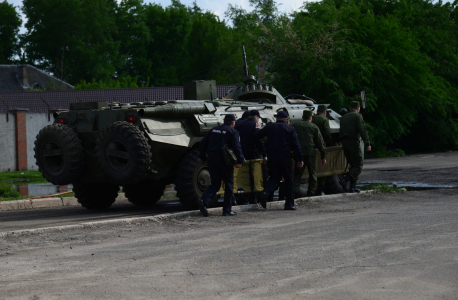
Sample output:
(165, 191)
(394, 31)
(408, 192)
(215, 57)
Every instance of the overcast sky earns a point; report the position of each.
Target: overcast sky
(218, 7)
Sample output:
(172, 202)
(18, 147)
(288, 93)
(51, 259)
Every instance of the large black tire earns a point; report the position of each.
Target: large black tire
(59, 154)
(95, 195)
(192, 179)
(332, 185)
(144, 193)
(123, 153)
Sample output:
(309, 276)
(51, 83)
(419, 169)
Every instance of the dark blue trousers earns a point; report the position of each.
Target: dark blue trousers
(280, 165)
(219, 171)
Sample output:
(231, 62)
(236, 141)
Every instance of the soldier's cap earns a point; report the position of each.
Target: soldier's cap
(321, 107)
(307, 113)
(354, 104)
(246, 114)
(229, 117)
(343, 111)
(282, 115)
(254, 113)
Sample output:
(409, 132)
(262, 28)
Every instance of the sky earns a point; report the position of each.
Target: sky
(218, 7)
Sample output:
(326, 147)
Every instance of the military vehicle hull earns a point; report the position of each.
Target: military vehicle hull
(142, 147)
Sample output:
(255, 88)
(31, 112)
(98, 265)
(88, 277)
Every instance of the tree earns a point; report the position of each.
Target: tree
(170, 28)
(264, 11)
(334, 49)
(10, 21)
(72, 39)
(134, 38)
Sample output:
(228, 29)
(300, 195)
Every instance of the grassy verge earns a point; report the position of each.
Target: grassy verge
(14, 175)
(383, 188)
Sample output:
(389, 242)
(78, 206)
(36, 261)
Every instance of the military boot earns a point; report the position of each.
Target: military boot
(353, 188)
(263, 197)
(344, 182)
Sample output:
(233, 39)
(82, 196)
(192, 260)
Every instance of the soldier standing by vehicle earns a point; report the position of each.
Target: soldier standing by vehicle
(210, 151)
(251, 148)
(322, 123)
(352, 129)
(281, 138)
(245, 116)
(309, 137)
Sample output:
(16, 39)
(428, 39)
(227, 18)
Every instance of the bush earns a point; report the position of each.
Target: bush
(8, 190)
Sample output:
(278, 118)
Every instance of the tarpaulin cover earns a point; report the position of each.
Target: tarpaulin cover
(243, 181)
(336, 165)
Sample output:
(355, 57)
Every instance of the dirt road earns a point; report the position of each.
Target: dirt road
(402, 246)
(389, 246)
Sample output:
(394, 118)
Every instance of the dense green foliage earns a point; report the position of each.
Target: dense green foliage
(403, 53)
(73, 39)
(10, 21)
(83, 41)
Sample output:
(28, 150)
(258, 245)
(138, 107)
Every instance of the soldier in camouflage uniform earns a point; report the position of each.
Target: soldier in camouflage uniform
(352, 129)
(309, 137)
(322, 123)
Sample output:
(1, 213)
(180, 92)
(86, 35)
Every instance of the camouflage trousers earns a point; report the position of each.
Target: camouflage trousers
(354, 156)
(310, 165)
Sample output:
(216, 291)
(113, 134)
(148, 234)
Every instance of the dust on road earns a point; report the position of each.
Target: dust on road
(389, 246)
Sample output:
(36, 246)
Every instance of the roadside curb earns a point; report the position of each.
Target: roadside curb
(44, 203)
(159, 218)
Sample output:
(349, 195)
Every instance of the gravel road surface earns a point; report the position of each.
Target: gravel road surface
(389, 246)
(386, 246)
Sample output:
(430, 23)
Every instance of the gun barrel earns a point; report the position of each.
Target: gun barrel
(245, 65)
(175, 110)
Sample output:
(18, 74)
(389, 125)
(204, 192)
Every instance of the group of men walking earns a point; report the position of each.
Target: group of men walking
(284, 143)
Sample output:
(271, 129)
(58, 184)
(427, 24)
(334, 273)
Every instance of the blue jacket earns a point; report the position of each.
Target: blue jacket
(281, 138)
(247, 129)
(212, 143)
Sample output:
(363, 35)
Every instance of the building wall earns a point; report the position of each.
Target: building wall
(8, 139)
(7, 143)
(35, 122)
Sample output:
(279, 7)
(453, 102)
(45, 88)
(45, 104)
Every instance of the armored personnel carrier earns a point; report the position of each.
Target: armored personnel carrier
(142, 147)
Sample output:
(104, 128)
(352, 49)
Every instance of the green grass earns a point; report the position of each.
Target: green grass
(382, 188)
(8, 190)
(14, 175)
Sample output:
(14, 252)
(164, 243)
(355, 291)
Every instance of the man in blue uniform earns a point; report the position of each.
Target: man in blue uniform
(211, 153)
(251, 148)
(281, 138)
(245, 116)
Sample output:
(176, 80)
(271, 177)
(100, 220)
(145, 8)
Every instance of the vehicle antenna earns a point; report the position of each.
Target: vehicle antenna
(211, 93)
(245, 66)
